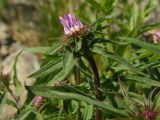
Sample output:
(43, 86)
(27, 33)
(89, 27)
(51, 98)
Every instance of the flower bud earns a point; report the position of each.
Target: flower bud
(149, 113)
(156, 36)
(37, 102)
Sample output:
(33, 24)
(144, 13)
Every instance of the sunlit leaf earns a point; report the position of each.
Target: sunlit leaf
(24, 113)
(116, 58)
(143, 80)
(16, 81)
(41, 50)
(2, 101)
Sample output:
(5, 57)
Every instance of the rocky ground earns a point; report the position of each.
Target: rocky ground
(9, 48)
(11, 42)
(17, 31)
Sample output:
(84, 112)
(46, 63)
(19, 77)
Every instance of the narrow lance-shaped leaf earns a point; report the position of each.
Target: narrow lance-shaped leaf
(96, 5)
(149, 27)
(143, 80)
(156, 103)
(144, 45)
(45, 50)
(134, 16)
(150, 7)
(2, 101)
(68, 63)
(57, 77)
(116, 58)
(48, 68)
(51, 92)
(54, 49)
(24, 113)
(101, 20)
(51, 69)
(41, 50)
(16, 81)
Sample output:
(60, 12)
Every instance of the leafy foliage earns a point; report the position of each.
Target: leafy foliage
(114, 68)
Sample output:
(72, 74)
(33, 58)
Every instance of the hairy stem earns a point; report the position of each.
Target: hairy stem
(77, 74)
(15, 98)
(98, 94)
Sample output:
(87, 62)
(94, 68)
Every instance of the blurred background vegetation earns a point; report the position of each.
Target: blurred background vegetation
(36, 22)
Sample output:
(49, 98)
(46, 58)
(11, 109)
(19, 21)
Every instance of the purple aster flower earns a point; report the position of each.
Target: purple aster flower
(72, 26)
(37, 102)
(156, 36)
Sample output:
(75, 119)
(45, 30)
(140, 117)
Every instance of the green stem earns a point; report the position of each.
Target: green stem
(77, 79)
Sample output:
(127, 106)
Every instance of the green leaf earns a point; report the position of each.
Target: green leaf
(146, 28)
(45, 50)
(108, 5)
(107, 17)
(53, 92)
(101, 40)
(88, 112)
(96, 5)
(57, 67)
(143, 80)
(134, 16)
(2, 101)
(68, 62)
(41, 50)
(54, 49)
(57, 77)
(78, 45)
(24, 113)
(12, 103)
(74, 106)
(116, 58)
(152, 4)
(48, 68)
(144, 45)
(142, 55)
(140, 98)
(156, 102)
(16, 81)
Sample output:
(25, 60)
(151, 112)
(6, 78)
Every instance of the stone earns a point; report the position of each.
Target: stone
(26, 64)
(4, 30)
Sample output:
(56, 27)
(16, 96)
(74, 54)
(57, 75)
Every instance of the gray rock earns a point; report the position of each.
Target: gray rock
(27, 64)
(4, 30)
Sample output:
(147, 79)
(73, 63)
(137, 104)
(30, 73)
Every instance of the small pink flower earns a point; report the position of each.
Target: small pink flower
(149, 113)
(37, 102)
(156, 36)
(72, 26)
